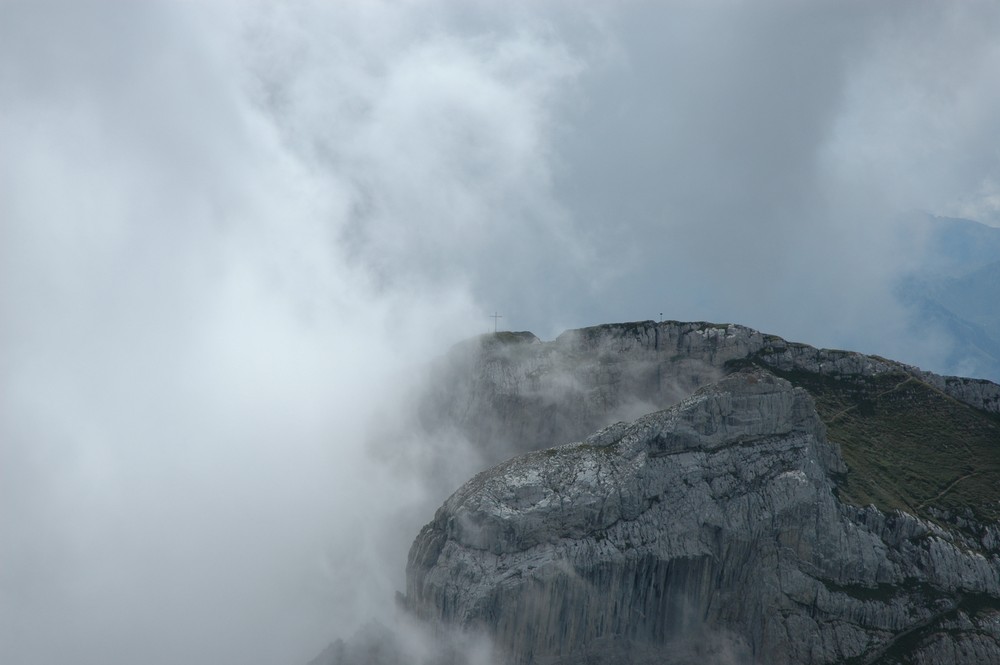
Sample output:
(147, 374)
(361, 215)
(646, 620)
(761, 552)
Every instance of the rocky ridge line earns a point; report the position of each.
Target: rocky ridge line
(513, 393)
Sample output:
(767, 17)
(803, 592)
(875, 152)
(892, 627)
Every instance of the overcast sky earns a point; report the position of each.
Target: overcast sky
(230, 231)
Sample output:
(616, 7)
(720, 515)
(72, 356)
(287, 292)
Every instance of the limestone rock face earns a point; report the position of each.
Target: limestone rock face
(707, 532)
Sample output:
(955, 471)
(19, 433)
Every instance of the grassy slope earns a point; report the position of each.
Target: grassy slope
(908, 445)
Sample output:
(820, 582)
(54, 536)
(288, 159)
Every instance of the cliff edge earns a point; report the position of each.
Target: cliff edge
(709, 531)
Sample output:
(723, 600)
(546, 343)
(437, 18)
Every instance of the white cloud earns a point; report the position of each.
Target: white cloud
(228, 236)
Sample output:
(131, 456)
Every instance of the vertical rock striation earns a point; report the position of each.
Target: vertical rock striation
(708, 531)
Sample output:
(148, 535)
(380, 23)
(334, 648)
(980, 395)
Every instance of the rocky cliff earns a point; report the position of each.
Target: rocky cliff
(794, 505)
(769, 502)
(708, 531)
(511, 392)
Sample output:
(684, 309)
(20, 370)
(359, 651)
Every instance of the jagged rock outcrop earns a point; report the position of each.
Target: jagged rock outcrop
(710, 531)
(511, 393)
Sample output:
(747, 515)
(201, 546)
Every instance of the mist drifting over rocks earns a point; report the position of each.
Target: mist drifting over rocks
(797, 505)
(232, 232)
(727, 528)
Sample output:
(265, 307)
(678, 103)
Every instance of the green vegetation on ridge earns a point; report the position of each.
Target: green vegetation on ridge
(907, 445)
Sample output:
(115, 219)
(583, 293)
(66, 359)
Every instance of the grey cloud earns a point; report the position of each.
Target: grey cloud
(191, 353)
(746, 161)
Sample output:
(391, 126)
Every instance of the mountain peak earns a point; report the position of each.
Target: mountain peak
(692, 492)
(714, 522)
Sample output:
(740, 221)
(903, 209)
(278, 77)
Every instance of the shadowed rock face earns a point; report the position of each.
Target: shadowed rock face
(512, 393)
(710, 531)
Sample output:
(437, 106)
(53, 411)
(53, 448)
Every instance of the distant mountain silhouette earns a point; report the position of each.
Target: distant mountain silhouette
(956, 290)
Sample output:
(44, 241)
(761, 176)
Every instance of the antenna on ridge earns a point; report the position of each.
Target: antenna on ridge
(495, 316)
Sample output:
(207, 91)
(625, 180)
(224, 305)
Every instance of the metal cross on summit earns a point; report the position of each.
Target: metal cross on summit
(495, 316)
